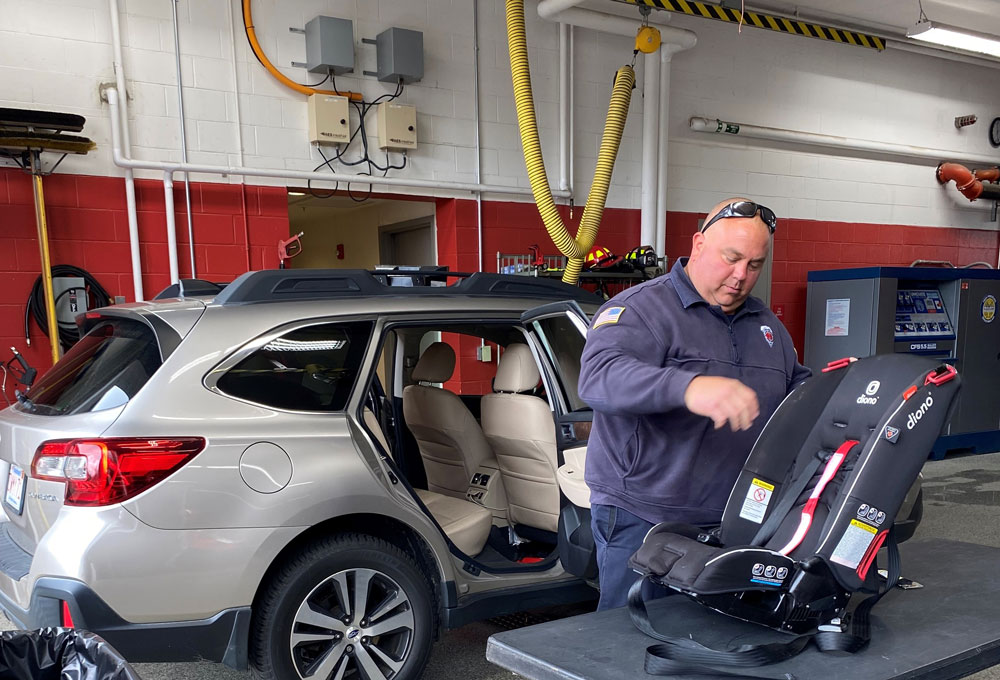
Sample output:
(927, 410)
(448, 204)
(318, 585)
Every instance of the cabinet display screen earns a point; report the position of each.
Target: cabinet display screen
(921, 314)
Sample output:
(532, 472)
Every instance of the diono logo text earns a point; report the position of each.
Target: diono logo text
(868, 397)
(919, 413)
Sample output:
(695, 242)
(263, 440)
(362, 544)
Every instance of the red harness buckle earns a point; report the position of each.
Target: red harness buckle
(941, 375)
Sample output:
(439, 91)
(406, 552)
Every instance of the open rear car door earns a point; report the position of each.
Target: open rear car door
(558, 332)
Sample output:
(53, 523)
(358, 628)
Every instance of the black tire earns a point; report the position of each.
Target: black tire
(332, 640)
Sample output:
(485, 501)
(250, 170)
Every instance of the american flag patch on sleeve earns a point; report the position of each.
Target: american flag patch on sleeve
(609, 315)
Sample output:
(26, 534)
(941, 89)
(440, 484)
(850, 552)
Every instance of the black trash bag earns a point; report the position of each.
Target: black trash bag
(60, 654)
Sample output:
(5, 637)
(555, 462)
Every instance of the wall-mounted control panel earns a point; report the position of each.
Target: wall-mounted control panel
(397, 126)
(328, 119)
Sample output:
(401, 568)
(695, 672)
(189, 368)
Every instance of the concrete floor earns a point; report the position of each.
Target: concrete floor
(961, 502)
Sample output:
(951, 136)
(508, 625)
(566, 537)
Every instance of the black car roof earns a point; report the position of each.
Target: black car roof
(283, 285)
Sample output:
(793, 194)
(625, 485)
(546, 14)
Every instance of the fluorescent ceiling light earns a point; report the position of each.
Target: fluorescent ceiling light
(296, 193)
(959, 38)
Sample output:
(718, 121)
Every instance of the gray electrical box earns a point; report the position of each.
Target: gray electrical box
(71, 297)
(329, 45)
(400, 54)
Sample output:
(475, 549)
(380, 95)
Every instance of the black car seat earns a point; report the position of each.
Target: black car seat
(814, 503)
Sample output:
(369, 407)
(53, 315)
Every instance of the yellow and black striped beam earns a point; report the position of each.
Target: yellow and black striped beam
(768, 21)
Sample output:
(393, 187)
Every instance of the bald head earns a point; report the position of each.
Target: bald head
(726, 259)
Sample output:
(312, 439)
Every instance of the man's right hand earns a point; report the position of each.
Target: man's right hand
(723, 400)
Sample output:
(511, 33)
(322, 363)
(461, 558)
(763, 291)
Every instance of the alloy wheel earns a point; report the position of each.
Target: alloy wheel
(357, 623)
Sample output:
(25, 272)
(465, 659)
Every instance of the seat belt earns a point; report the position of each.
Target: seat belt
(793, 491)
(684, 656)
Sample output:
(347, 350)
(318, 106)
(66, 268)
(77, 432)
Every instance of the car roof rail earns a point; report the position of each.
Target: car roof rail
(281, 285)
(190, 288)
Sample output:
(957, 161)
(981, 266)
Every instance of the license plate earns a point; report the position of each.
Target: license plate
(15, 488)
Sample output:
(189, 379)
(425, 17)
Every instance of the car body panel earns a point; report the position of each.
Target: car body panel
(200, 542)
(20, 435)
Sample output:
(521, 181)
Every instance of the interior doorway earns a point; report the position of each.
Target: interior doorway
(408, 243)
(341, 233)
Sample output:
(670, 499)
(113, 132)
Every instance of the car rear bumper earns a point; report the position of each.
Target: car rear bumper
(222, 637)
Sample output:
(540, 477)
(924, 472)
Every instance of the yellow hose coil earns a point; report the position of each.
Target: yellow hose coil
(575, 249)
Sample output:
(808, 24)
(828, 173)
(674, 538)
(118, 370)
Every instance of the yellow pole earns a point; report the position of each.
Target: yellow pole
(43, 246)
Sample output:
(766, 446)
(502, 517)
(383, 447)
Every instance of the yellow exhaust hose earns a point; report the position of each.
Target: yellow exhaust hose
(575, 249)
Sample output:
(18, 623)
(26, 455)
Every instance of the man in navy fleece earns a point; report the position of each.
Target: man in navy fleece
(682, 373)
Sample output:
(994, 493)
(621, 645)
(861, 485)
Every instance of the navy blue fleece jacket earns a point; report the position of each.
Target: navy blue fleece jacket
(647, 453)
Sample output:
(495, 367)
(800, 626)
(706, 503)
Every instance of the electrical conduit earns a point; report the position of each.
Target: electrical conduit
(266, 63)
(573, 248)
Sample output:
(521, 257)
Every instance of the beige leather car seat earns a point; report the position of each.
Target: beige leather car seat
(464, 522)
(451, 442)
(520, 429)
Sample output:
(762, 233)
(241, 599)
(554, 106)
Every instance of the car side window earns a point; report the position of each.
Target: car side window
(308, 369)
(563, 343)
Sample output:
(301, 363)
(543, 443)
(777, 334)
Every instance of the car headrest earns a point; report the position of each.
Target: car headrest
(436, 364)
(517, 370)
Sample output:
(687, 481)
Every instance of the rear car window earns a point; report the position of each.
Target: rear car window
(308, 369)
(104, 369)
(563, 342)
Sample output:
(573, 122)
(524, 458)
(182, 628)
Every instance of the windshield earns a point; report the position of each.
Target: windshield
(104, 369)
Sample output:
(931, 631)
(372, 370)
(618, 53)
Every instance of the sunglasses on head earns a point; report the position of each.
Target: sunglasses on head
(744, 209)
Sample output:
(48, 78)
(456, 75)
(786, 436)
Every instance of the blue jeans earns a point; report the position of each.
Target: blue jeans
(618, 534)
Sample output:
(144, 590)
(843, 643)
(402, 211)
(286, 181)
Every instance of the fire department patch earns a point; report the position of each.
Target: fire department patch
(768, 335)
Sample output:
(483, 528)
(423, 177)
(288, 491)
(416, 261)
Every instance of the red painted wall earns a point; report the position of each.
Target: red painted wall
(88, 228)
(508, 228)
(800, 246)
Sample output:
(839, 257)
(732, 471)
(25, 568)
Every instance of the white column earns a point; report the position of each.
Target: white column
(650, 147)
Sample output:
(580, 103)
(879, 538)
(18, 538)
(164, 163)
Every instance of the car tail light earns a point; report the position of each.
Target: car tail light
(106, 471)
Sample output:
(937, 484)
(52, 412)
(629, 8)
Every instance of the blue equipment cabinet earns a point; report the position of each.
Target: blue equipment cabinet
(941, 312)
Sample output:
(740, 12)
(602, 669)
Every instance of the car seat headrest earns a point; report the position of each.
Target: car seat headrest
(436, 364)
(517, 370)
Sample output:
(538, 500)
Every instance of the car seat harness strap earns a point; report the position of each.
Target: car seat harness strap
(809, 511)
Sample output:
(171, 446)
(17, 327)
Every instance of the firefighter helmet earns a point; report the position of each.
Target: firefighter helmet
(641, 257)
(601, 258)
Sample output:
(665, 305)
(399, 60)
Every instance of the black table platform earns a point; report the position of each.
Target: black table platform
(947, 629)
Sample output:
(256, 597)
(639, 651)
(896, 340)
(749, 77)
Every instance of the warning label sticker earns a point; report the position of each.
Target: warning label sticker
(853, 544)
(755, 503)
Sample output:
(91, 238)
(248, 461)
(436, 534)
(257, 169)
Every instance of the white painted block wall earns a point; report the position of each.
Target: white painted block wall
(54, 54)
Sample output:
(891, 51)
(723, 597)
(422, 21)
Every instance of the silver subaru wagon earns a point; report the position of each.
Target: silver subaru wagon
(273, 474)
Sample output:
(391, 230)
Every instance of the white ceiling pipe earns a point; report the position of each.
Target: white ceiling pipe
(123, 161)
(612, 23)
(650, 147)
(133, 220)
(553, 6)
(699, 124)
